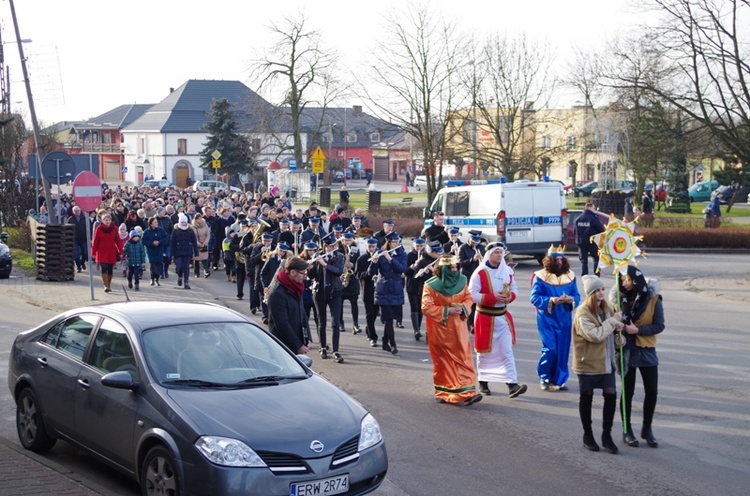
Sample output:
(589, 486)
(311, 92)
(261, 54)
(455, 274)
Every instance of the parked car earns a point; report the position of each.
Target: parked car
(660, 194)
(191, 399)
(701, 192)
(585, 189)
(214, 186)
(621, 185)
(420, 182)
(725, 193)
(338, 177)
(6, 259)
(570, 229)
(158, 183)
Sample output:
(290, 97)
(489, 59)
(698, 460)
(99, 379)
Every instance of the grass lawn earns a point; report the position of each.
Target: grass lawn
(358, 198)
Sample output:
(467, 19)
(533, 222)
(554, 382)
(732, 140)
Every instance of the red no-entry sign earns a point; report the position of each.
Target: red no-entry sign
(87, 191)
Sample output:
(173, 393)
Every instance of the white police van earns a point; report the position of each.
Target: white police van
(526, 216)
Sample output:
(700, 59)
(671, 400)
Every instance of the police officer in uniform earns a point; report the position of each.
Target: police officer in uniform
(361, 272)
(587, 225)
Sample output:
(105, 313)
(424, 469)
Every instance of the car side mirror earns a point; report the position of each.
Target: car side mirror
(120, 380)
(306, 360)
(426, 213)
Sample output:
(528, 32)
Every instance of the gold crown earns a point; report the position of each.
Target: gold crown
(556, 252)
(448, 261)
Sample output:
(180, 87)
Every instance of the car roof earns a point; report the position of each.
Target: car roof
(149, 314)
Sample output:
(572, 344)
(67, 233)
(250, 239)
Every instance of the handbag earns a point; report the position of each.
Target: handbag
(203, 248)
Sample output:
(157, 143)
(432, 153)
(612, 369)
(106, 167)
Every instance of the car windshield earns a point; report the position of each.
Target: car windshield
(225, 354)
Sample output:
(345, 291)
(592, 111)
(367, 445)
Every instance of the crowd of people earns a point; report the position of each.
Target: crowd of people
(299, 267)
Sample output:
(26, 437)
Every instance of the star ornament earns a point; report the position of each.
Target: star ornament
(617, 244)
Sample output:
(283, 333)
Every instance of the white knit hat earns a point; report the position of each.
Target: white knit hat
(182, 222)
(591, 284)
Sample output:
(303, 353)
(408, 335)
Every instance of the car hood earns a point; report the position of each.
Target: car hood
(284, 418)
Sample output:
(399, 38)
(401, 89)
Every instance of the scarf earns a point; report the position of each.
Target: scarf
(449, 283)
(293, 287)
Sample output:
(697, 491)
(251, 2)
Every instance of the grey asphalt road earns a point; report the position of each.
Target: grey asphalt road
(532, 445)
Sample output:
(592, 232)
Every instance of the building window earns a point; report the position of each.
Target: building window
(351, 137)
(374, 137)
(546, 142)
(141, 146)
(182, 146)
(256, 145)
(571, 142)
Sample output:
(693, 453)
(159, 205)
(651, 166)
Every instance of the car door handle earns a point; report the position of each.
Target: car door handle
(42, 361)
(84, 383)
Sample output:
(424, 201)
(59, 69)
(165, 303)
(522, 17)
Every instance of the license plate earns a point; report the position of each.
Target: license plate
(323, 487)
(519, 234)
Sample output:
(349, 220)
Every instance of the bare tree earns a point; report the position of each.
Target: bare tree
(300, 64)
(508, 80)
(705, 45)
(413, 82)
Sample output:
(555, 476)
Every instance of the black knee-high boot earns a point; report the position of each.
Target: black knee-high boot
(608, 418)
(584, 411)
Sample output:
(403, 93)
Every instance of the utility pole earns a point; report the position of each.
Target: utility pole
(32, 112)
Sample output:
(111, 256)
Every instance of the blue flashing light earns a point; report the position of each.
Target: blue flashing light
(503, 180)
(477, 182)
(546, 179)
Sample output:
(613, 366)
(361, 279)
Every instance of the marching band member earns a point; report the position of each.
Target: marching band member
(470, 255)
(381, 235)
(453, 244)
(270, 268)
(389, 264)
(326, 272)
(414, 286)
(307, 296)
(261, 253)
(355, 226)
(350, 291)
(314, 232)
(362, 273)
(493, 288)
(285, 233)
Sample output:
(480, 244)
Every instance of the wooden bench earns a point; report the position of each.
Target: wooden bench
(406, 200)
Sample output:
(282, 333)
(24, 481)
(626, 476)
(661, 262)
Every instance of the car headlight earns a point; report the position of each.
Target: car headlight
(369, 434)
(228, 452)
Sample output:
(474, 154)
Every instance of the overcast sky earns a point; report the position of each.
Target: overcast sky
(87, 57)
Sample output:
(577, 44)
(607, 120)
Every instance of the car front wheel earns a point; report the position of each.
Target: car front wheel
(159, 474)
(30, 423)
(418, 188)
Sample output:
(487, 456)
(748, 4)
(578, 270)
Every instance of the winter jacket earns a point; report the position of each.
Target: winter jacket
(155, 254)
(184, 243)
(106, 244)
(593, 343)
(135, 253)
(390, 287)
(286, 317)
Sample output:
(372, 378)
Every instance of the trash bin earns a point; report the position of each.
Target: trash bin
(373, 199)
(324, 196)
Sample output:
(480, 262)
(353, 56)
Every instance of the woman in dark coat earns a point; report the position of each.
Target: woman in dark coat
(287, 319)
(183, 247)
(155, 238)
(389, 291)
